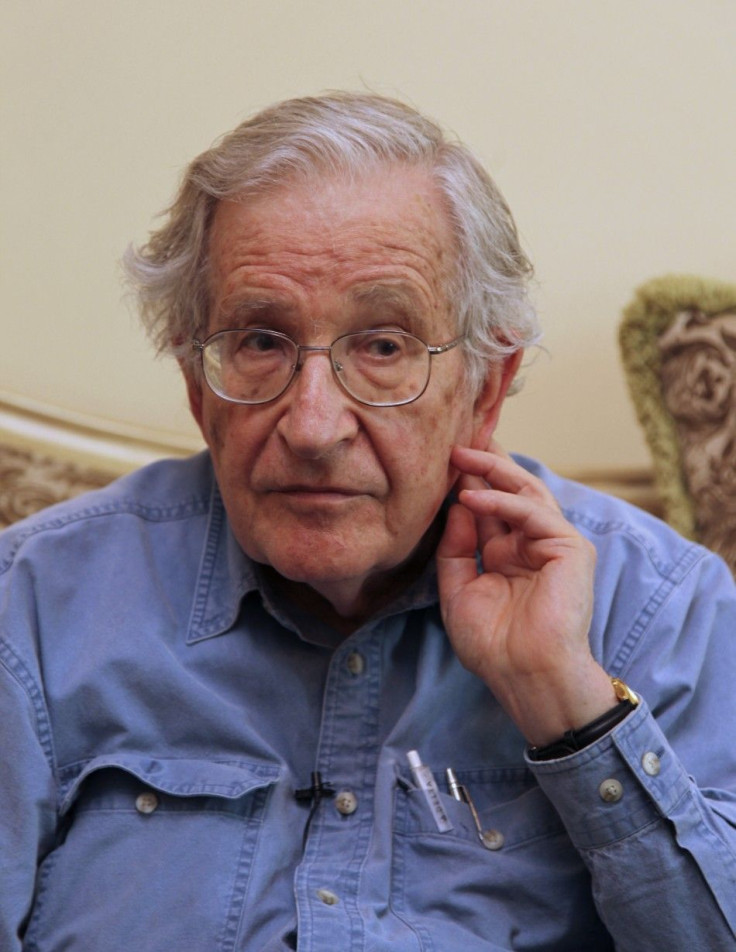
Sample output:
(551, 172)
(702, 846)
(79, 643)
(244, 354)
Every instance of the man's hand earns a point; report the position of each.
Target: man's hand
(522, 623)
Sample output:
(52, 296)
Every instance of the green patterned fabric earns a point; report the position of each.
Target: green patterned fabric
(652, 313)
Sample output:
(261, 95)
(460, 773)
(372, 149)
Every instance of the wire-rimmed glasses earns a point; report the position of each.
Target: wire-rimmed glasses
(379, 368)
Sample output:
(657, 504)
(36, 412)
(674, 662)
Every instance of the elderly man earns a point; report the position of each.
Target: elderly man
(354, 679)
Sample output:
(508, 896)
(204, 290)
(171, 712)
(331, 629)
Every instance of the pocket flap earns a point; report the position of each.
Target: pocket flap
(180, 777)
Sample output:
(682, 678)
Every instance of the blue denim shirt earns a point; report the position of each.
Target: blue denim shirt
(159, 709)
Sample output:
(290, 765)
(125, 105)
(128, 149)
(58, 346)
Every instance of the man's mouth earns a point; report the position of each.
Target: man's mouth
(318, 490)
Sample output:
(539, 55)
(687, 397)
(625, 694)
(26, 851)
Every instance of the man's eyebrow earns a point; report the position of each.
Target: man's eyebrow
(245, 308)
(392, 299)
(398, 295)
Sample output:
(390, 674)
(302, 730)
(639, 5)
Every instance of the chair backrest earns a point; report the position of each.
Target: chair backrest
(30, 480)
(678, 344)
(48, 454)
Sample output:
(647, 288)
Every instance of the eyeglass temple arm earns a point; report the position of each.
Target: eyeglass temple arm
(443, 348)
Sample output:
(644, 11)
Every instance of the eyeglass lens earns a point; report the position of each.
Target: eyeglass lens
(381, 368)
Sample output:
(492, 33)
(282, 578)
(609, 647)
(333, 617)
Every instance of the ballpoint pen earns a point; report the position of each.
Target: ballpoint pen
(491, 839)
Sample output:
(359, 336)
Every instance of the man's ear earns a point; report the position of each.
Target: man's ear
(487, 409)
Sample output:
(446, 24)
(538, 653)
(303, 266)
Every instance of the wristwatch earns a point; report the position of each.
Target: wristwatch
(573, 741)
(623, 692)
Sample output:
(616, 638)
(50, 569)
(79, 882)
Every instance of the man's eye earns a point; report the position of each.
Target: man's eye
(261, 348)
(259, 342)
(383, 346)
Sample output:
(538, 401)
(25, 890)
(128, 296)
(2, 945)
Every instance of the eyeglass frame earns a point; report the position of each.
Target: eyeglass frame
(199, 347)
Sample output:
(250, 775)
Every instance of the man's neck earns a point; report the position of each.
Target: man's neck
(344, 607)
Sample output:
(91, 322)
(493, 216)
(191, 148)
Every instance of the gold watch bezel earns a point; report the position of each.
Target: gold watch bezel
(623, 692)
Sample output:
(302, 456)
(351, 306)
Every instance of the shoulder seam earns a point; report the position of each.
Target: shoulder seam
(150, 513)
(675, 570)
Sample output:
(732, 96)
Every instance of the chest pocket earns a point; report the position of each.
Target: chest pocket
(153, 854)
(458, 893)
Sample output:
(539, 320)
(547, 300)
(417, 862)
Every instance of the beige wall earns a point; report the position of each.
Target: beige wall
(608, 124)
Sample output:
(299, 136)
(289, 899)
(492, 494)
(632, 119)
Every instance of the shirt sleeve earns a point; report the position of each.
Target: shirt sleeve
(651, 807)
(27, 792)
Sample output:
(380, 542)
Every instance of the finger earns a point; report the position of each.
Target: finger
(489, 525)
(494, 448)
(536, 520)
(460, 538)
(500, 471)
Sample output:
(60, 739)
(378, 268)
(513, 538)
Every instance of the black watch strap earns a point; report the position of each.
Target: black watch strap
(573, 741)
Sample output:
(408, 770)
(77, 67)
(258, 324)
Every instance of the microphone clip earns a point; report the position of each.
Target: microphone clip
(318, 791)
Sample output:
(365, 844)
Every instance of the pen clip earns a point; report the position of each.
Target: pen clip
(456, 789)
(491, 839)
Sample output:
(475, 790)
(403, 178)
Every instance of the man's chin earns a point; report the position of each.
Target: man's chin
(317, 569)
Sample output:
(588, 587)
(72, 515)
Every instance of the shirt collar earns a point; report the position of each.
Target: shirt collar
(226, 576)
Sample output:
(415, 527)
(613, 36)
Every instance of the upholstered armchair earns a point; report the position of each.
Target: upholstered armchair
(48, 455)
(678, 344)
(31, 480)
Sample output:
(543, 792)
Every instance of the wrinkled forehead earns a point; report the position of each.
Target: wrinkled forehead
(384, 236)
(412, 192)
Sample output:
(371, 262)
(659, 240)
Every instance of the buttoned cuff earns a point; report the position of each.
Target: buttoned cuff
(612, 789)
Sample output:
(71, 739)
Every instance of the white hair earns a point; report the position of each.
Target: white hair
(340, 134)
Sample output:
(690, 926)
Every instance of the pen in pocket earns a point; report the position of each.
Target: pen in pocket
(426, 783)
(491, 839)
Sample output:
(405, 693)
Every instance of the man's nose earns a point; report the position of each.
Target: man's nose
(318, 415)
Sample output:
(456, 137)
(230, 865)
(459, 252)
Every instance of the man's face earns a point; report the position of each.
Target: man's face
(326, 491)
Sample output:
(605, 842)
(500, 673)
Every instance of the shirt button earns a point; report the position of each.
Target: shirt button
(651, 763)
(346, 802)
(611, 791)
(355, 663)
(327, 897)
(492, 839)
(146, 802)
